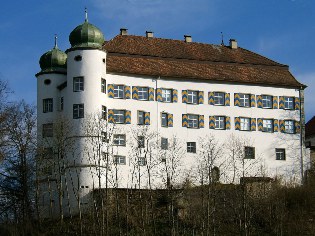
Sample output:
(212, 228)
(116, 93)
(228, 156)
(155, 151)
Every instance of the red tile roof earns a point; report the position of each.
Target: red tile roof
(174, 58)
(310, 127)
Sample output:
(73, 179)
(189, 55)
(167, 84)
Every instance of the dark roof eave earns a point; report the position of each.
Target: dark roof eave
(226, 81)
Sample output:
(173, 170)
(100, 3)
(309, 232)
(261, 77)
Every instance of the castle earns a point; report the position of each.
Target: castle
(147, 112)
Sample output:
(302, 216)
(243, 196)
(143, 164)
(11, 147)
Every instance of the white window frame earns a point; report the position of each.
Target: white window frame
(119, 160)
(192, 96)
(166, 95)
(219, 122)
(119, 140)
(119, 116)
(143, 93)
(219, 98)
(119, 91)
(268, 125)
(249, 152)
(141, 141)
(142, 161)
(78, 84)
(280, 154)
(245, 123)
(289, 103)
(266, 101)
(103, 85)
(48, 105)
(193, 121)
(244, 100)
(164, 119)
(104, 112)
(289, 126)
(48, 130)
(191, 147)
(78, 111)
(141, 117)
(164, 143)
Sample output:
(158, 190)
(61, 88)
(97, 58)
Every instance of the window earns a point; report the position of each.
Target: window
(192, 97)
(193, 121)
(142, 161)
(119, 91)
(219, 122)
(141, 141)
(47, 105)
(120, 139)
(289, 103)
(78, 58)
(191, 147)
(48, 153)
(268, 125)
(47, 130)
(267, 101)
(104, 112)
(103, 85)
(164, 120)
(280, 154)
(119, 160)
(244, 100)
(140, 117)
(104, 137)
(78, 84)
(167, 95)
(47, 81)
(143, 93)
(245, 123)
(218, 98)
(289, 126)
(78, 111)
(119, 116)
(164, 143)
(249, 153)
(61, 104)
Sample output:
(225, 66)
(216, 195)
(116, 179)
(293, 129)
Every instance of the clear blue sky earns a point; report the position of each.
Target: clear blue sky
(282, 30)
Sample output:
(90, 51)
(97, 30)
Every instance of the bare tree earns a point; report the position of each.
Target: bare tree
(17, 174)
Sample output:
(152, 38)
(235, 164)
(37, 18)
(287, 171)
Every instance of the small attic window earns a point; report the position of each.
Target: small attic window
(103, 60)
(47, 81)
(78, 58)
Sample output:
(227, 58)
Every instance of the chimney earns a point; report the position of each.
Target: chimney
(149, 34)
(123, 31)
(233, 44)
(188, 38)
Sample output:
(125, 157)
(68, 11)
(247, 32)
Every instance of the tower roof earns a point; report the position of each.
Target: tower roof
(86, 35)
(54, 60)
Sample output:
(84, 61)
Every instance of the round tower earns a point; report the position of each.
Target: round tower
(84, 100)
(53, 72)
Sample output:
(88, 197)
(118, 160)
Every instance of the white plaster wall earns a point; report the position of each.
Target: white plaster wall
(264, 143)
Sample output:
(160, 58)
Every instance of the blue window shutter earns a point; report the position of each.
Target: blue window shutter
(127, 117)
(201, 121)
(110, 114)
(227, 122)
(237, 122)
(135, 92)
(127, 92)
(147, 118)
(200, 97)
(151, 94)
(227, 99)
(297, 103)
(259, 101)
(110, 90)
(159, 95)
(252, 100)
(170, 120)
(175, 95)
(211, 122)
(236, 99)
(253, 124)
(275, 102)
(211, 98)
(184, 120)
(184, 96)
(275, 125)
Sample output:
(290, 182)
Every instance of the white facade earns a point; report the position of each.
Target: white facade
(84, 159)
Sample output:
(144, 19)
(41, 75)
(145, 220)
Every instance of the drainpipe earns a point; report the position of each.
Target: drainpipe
(301, 133)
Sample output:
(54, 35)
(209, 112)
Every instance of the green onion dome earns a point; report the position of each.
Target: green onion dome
(86, 35)
(54, 60)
